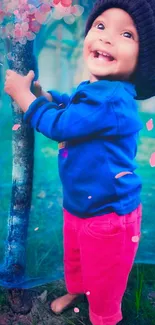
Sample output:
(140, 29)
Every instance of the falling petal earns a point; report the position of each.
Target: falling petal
(149, 124)
(123, 174)
(135, 239)
(76, 310)
(88, 293)
(16, 127)
(90, 197)
(152, 160)
(36, 229)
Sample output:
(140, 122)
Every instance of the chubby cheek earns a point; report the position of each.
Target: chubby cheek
(85, 51)
(129, 59)
(87, 45)
(133, 60)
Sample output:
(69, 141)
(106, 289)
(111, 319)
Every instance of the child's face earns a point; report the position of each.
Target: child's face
(111, 46)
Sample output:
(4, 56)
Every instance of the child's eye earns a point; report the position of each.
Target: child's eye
(128, 35)
(100, 26)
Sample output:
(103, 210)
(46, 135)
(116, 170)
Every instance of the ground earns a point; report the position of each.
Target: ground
(138, 303)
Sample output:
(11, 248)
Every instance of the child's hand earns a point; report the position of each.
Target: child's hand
(17, 85)
(37, 89)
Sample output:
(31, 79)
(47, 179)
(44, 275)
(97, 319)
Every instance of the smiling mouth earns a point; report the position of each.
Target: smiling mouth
(103, 55)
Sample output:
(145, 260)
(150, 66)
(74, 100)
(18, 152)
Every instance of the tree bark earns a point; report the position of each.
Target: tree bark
(22, 180)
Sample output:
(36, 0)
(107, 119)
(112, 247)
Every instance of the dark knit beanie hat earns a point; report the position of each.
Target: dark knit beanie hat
(143, 15)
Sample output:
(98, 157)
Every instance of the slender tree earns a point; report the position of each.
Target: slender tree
(22, 61)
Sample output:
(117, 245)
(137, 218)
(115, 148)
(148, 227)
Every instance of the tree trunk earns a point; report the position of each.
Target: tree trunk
(22, 180)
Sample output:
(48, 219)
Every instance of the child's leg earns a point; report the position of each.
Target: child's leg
(108, 247)
(72, 265)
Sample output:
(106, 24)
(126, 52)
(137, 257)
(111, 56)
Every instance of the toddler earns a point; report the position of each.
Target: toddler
(97, 129)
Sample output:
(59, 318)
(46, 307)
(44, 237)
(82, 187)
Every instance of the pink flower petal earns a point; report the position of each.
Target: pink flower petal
(18, 33)
(66, 3)
(16, 12)
(77, 10)
(40, 17)
(88, 293)
(76, 310)
(135, 239)
(56, 2)
(150, 125)
(122, 174)
(45, 8)
(16, 127)
(152, 160)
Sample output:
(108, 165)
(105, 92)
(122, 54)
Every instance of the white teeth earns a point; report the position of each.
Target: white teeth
(103, 53)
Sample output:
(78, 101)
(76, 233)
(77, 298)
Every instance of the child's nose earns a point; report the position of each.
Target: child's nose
(106, 38)
(105, 41)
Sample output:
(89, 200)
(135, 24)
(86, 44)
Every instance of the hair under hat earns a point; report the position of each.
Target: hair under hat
(143, 15)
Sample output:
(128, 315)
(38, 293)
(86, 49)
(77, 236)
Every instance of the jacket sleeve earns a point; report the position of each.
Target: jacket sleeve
(61, 100)
(85, 118)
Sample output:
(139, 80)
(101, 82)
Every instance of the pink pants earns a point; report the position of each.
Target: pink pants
(99, 253)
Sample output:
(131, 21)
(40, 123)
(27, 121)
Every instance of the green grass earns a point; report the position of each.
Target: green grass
(140, 283)
(137, 308)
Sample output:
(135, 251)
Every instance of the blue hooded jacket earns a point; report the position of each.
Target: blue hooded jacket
(97, 129)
